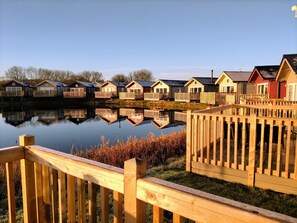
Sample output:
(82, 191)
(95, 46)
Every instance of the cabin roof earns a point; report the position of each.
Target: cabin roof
(55, 83)
(115, 83)
(203, 80)
(172, 83)
(266, 72)
(238, 76)
(292, 60)
(19, 82)
(86, 84)
(141, 83)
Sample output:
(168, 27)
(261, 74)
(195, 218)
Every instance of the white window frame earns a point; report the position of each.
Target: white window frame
(262, 88)
(292, 92)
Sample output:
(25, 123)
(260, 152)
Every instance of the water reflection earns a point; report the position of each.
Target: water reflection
(81, 127)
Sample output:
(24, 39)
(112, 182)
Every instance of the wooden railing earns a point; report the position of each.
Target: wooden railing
(186, 97)
(130, 95)
(74, 94)
(103, 94)
(59, 187)
(155, 96)
(220, 98)
(12, 93)
(249, 145)
(45, 93)
(273, 102)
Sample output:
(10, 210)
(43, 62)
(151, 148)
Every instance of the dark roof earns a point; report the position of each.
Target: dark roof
(118, 84)
(142, 83)
(238, 76)
(292, 60)
(19, 82)
(173, 83)
(206, 80)
(86, 84)
(268, 71)
(55, 83)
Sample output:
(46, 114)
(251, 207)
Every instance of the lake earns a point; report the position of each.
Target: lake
(80, 128)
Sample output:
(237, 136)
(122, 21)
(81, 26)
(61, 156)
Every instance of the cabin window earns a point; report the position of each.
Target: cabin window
(228, 88)
(77, 89)
(195, 90)
(292, 92)
(14, 89)
(161, 90)
(136, 90)
(262, 88)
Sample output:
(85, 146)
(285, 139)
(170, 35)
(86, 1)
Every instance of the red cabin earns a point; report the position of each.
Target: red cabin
(263, 80)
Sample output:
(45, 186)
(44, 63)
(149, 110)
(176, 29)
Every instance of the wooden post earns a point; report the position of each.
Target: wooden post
(252, 150)
(10, 192)
(134, 209)
(28, 182)
(189, 139)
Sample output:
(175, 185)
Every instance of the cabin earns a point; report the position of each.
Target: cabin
(49, 88)
(287, 77)
(16, 88)
(79, 115)
(111, 89)
(165, 89)
(233, 81)
(136, 89)
(80, 89)
(262, 81)
(195, 86)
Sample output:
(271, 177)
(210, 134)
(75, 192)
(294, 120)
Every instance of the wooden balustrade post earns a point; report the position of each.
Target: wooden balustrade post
(189, 140)
(134, 209)
(28, 182)
(252, 150)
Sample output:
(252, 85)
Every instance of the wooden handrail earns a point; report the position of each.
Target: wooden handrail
(44, 174)
(10, 154)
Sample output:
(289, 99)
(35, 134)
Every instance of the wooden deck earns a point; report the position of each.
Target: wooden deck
(245, 144)
(45, 94)
(186, 97)
(12, 93)
(130, 96)
(74, 94)
(58, 187)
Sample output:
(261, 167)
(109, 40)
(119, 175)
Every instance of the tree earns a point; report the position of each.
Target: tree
(15, 73)
(142, 75)
(120, 78)
(91, 76)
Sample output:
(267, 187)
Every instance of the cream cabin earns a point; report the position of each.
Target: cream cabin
(233, 81)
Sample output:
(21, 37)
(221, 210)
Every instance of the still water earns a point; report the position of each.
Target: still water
(81, 128)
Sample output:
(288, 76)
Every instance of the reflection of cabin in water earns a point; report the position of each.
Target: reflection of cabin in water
(135, 117)
(49, 117)
(107, 114)
(162, 119)
(17, 118)
(78, 116)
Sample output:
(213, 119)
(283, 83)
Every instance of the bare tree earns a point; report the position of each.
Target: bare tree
(16, 73)
(91, 76)
(142, 75)
(120, 78)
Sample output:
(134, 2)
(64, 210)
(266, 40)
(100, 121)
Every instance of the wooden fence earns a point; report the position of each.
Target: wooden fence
(273, 102)
(248, 145)
(59, 187)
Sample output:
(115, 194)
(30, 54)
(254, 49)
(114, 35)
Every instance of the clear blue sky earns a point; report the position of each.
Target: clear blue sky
(172, 38)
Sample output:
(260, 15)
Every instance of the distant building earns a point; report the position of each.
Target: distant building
(263, 81)
(287, 77)
(233, 81)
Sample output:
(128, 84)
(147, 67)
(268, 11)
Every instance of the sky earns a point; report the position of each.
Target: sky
(175, 39)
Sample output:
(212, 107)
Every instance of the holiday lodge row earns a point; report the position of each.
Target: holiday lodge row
(269, 81)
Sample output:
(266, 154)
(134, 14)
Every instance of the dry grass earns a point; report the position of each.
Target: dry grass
(155, 150)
